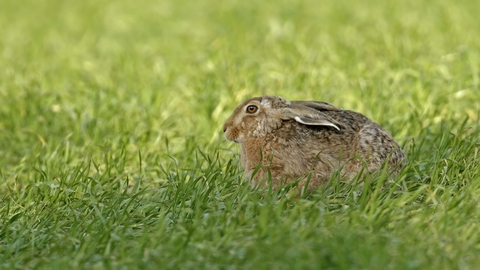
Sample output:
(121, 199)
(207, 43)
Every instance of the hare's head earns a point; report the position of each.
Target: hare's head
(259, 116)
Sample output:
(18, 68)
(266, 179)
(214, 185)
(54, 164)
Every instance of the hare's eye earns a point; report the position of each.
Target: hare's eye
(252, 109)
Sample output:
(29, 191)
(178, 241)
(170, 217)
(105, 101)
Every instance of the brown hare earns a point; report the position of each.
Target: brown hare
(300, 140)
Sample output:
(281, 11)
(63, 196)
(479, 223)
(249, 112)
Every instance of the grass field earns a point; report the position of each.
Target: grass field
(111, 147)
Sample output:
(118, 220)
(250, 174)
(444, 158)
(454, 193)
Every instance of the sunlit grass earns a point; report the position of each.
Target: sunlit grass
(112, 154)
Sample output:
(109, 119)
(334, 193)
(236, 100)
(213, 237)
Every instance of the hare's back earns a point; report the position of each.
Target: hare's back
(349, 120)
(367, 131)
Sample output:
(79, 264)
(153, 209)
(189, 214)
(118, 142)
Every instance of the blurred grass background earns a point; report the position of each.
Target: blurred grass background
(129, 91)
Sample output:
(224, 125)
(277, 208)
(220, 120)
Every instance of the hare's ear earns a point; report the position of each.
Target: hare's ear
(315, 122)
(316, 105)
(309, 117)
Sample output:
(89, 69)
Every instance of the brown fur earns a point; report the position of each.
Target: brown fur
(290, 140)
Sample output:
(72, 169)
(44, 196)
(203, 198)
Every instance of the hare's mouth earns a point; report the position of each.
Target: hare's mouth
(235, 140)
(229, 137)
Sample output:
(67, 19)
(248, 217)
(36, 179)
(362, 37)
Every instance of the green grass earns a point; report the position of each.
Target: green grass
(112, 154)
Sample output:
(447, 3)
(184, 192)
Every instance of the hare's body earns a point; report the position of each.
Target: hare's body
(290, 140)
